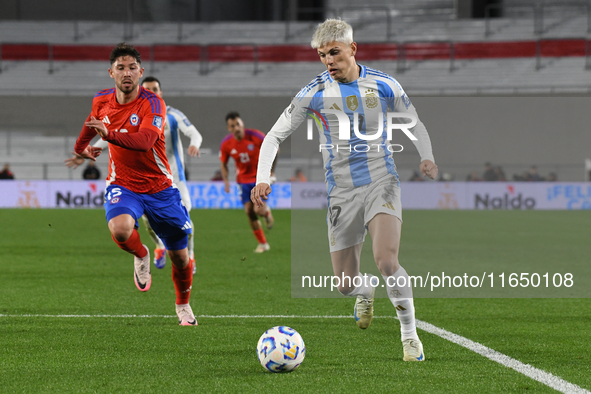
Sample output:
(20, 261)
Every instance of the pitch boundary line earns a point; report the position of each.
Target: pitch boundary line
(199, 316)
(536, 374)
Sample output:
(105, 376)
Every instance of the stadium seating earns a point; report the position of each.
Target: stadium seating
(426, 48)
(248, 53)
(515, 26)
(556, 75)
(35, 156)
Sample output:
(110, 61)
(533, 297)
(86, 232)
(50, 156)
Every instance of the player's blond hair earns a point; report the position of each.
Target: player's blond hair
(332, 30)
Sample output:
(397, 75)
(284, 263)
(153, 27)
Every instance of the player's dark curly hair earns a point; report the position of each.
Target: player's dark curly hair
(152, 79)
(124, 49)
(232, 115)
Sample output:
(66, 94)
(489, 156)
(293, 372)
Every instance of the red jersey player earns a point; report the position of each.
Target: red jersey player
(243, 145)
(131, 119)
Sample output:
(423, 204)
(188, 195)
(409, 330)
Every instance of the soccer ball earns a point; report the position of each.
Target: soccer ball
(281, 349)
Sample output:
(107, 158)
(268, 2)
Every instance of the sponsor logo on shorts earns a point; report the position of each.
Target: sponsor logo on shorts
(134, 120)
(389, 206)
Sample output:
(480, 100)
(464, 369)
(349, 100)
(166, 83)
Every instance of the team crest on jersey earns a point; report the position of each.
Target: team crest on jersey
(115, 200)
(134, 120)
(352, 102)
(250, 147)
(395, 293)
(157, 122)
(371, 99)
(406, 100)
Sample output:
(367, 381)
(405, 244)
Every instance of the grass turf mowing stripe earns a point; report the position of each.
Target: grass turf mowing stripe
(204, 316)
(536, 374)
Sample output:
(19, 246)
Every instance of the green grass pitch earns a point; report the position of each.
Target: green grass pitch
(63, 262)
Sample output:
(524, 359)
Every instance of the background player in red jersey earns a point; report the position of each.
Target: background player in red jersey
(132, 119)
(244, 145)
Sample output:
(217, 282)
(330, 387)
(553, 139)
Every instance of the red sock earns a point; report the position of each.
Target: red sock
(183, 281)
(133, 245)
(260, 236)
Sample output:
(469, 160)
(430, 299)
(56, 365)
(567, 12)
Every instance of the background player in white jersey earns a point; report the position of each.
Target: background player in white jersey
(175, 121)
(362, 182)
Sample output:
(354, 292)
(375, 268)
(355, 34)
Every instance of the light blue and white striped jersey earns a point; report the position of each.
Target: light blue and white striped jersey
(177, 121)
(350, 162)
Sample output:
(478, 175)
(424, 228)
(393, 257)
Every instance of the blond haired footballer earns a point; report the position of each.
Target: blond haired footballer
(363, 187)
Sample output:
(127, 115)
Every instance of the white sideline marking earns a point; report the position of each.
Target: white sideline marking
(205, 316)
(536, 374)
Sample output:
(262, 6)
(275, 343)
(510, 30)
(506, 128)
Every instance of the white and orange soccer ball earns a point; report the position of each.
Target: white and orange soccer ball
(281, 349)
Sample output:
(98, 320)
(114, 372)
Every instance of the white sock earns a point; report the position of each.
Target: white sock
(191, 243)
(401, 298)
(365, 290)
(152, 234)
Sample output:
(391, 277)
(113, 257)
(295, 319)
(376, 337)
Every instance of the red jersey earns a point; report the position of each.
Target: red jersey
(137, 156)
(245, 153)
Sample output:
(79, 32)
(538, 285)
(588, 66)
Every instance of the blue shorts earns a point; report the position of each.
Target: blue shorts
(166, 213)
(246, 189)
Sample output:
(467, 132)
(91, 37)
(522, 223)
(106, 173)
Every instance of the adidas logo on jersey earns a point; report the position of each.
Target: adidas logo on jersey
(106, 120)
(233, 151)
(187, 226)
(335, 106)
(389, 206)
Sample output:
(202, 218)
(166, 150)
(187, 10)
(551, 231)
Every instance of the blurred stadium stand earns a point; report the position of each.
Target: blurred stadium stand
(373, 25)
(240, 74)
(427, 44)
(199, 49)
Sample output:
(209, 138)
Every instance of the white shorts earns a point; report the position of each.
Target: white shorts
(351, 209)
(185, 196)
